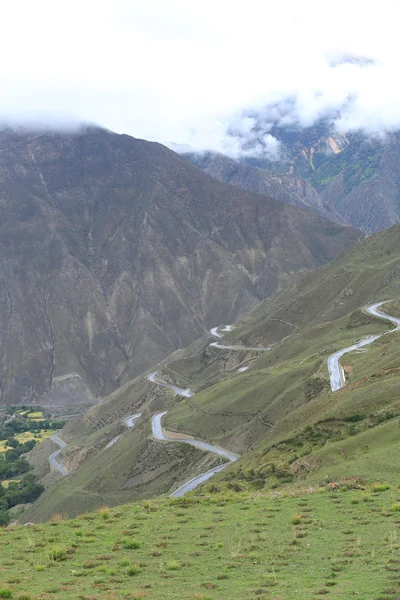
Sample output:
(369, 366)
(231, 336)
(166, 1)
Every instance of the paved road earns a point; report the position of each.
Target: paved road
(214, 332)
(180, 391)
(227, 328)
(373, 310)
(52, 458)
(158, 434)
(196, 481)
(113, 441)
(130, 421)
(223, 347)
(336, 373)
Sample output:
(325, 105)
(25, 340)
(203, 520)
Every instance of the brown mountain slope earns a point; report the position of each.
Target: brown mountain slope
(116, 251)
(284, 186)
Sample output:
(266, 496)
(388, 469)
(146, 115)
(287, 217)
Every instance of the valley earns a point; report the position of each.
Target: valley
(337, 381)
(199, 301)
(279, 413)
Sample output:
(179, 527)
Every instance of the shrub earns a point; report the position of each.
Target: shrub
(5, 593)
(57, 517)
(58, 554)
(104, 512)
(24, 597)
(39, 568)
(380, 487)
(395, 507)
(132, 545)
(296, 519)
(134, 570)
(173, 565)
(124, 563)
(4, 518)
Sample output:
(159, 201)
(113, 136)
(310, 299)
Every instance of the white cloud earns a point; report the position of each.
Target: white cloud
(204, 74)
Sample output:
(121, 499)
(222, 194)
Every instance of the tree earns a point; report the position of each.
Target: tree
(12, 443)
(12, 455)
(4, 518)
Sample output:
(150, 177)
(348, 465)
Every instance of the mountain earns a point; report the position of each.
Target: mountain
(284, 186)
(279, 415)
(115, 251)
(352, 178)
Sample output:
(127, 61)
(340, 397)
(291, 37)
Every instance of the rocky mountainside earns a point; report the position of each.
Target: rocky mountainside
(285, 187)
(347, 177)
(116, 251)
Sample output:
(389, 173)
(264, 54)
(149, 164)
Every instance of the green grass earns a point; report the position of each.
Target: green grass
(38, 415)
(39, 436)
(224, 546)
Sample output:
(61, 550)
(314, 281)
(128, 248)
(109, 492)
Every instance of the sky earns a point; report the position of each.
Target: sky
(210, 75)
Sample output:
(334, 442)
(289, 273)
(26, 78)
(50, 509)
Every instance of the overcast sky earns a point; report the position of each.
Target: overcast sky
(201, 73)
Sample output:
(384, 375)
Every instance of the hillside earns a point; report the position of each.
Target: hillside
(368, 271)
(229, 546)
(279, 414)
(114, 252)
(348, 177)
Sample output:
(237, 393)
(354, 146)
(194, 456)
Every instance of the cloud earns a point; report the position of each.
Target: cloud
(211, 75)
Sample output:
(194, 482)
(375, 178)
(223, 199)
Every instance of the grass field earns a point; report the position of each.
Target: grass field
(40, 435)
(342, 544)
(6, 482)
(36, 416)
(3, 446)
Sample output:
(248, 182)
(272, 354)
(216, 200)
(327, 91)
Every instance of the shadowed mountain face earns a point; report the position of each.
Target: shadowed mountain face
(283, 186)
(116, 251)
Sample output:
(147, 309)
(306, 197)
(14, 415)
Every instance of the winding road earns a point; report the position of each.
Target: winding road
(190, 485)
(214, 332)
(238, 348)
(53, 456)
(158, 433)
(337, 380)
(180, 391)
(336, 372)
(130, 421)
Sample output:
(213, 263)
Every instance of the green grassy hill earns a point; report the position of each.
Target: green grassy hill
(231, 546)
